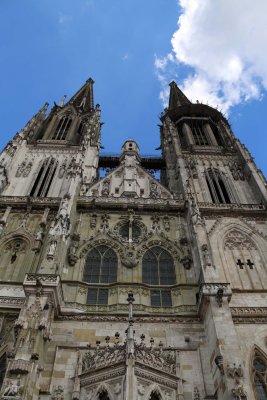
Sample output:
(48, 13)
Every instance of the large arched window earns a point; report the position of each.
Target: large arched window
(217, 187)
(101, 266)
(198, 132)
(158, 267)
(259, 367)
(62, 128)
(44, 178)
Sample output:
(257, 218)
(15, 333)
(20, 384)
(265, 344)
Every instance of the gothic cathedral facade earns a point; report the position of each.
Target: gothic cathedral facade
(128, 277)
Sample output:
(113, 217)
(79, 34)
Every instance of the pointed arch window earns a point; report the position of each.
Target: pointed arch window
(62, 128)
(219, 192)
(259, 368)
(44, 178)
(198, 132)
(103, 395)
(82, 126)
(101, 265)
(158, 267)
(3, 365)
(155, 396)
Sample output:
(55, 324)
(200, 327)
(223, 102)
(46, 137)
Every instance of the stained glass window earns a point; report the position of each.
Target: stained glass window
(158, 267)
(260, 376)
(101, 265)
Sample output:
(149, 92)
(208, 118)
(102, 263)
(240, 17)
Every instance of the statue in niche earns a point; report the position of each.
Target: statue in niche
(156, 223)
(166, 223)
(206, 255)
(20, 169)
(153, 190)
(52, 249)
(62, 169)
(63, 211)
(104, 226)
(3, 178)
(27, 169)
(93, 221)
(72, 256)
(12, 389)
(105, 187)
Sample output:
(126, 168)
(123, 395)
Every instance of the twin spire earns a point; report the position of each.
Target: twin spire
(177, 97)
(84, 98)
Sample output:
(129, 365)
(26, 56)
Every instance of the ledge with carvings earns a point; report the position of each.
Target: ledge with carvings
(47, 285)
(231, 209)
(219, 291)
(11, 302)
(25, 201)
(139, 203)
(122, 308)
(249, 315)
(184, 319)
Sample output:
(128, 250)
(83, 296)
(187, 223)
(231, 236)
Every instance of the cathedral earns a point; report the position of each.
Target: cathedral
(130, 277)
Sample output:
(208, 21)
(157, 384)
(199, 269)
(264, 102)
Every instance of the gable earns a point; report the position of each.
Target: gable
(129, 181)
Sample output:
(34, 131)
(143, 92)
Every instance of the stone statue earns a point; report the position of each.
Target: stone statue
(3, 178)
(12, 389)
(52, 249)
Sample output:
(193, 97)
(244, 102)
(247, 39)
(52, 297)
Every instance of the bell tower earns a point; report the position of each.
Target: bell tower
(202, 152)
(43, 158)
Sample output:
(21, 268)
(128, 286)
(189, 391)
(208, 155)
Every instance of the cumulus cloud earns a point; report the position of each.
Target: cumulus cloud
(222, 45)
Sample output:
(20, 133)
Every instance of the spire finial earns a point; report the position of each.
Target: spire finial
(62, 101)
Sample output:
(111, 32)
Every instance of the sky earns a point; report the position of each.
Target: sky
(216, 51)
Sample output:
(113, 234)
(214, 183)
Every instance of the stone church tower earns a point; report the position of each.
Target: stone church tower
(130, 277)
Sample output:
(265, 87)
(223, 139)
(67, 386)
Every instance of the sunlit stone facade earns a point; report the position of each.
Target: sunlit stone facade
(132, 277)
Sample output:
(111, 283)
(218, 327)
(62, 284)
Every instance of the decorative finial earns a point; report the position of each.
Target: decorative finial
(62, 101)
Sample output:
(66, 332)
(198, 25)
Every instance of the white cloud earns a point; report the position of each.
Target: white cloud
(125, 57)
(63, 18)
(224, 42)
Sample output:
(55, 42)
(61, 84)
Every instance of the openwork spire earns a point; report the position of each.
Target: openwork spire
(177, 97)
(83, 100)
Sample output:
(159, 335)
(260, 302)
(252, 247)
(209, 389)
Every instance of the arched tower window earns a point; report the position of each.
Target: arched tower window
(82, 127)
(198, 132)
(217, 187)
(158, 267)
(259, 373)
(44, 178)
(101, 265)
(62, 128)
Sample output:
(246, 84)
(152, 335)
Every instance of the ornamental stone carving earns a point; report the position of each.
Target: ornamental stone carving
(58, 393)
(72, 253)
(236, 240)
(234, 371)
(238, 391)
(236, 170)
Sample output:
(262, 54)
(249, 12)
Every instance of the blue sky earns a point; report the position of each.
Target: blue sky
(132, 49)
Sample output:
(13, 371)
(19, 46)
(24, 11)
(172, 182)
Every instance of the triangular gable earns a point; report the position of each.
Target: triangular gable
(133, 181)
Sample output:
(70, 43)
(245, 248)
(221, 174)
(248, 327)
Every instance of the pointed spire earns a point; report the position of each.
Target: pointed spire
(84, 99)
(177, 97)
